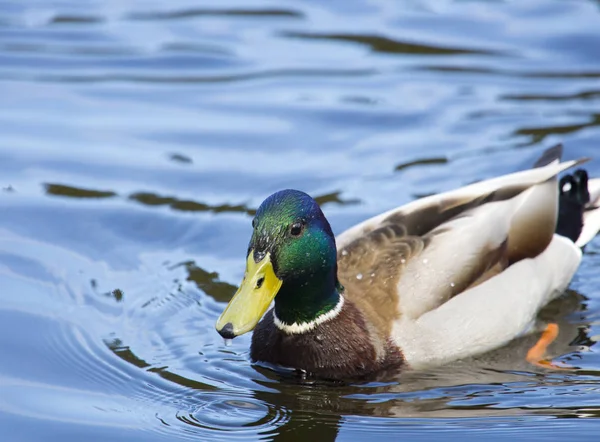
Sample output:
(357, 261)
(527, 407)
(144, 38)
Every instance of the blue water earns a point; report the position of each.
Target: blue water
(136, 139)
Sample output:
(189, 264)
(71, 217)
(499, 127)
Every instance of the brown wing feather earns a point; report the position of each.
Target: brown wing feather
(371, 266)
(369, 269)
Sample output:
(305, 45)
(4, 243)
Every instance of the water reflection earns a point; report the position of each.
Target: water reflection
(180, 158)
(585, 95)
(421, 162)
(75, 19)
(335, 198)
(539, 134)
(197, 12)
(152, 199)
(115, 294)
(388, 45)
(77, 192)
(208, 282)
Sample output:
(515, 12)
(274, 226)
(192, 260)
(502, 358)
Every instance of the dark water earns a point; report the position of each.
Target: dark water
(136, 138)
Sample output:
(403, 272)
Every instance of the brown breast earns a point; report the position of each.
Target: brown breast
(340, 348)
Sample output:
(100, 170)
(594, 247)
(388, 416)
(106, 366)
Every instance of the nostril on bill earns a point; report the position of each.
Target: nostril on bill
(260, 281)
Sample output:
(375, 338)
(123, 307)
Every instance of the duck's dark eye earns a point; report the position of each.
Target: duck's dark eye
(254, 223)
(296, 229)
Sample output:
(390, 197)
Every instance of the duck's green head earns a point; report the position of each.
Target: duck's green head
(292, 259)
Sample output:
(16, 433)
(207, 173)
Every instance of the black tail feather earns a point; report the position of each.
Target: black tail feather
(551, 154)
(574, 196)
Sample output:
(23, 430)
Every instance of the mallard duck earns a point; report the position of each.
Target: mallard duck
(442, 278)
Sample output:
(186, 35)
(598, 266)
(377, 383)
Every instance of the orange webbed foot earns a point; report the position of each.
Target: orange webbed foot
(536, 354)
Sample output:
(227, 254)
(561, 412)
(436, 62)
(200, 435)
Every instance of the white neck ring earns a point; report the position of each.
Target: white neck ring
(303, 327)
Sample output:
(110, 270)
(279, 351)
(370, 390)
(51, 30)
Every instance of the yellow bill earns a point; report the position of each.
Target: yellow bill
(251, 301)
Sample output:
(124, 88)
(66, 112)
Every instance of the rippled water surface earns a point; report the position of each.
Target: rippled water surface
(137, 138)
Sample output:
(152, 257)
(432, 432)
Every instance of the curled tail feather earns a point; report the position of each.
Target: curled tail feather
(579, 211)
(591, 214)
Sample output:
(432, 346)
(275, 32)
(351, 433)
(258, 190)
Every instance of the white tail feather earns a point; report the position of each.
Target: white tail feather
(594, 188)
(591, 218)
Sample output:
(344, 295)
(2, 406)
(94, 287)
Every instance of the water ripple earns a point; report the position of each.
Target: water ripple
(388, 45)
(195, 79)
(193, 13)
